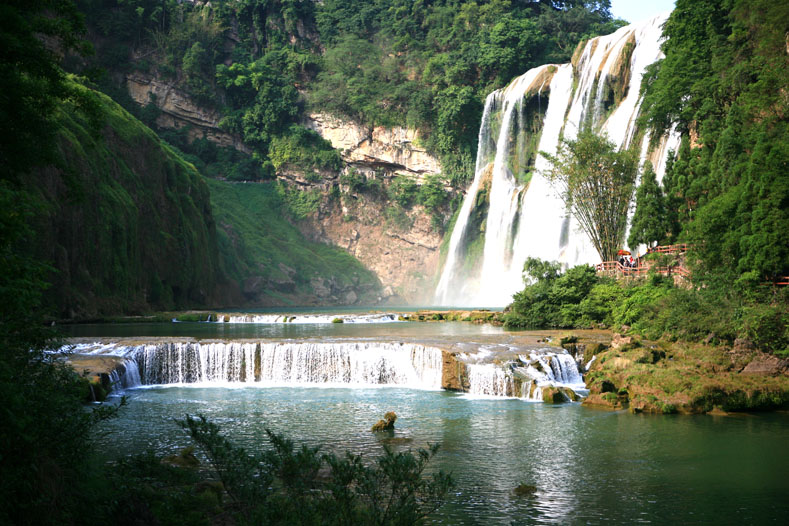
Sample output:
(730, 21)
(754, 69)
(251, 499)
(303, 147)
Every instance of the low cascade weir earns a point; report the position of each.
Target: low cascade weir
(298, 363)
(527, 375)
(308, 318)
(510, 211)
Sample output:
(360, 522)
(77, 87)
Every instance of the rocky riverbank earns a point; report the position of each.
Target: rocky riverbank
(677, 377)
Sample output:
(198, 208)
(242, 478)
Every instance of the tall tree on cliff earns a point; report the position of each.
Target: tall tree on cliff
(650, 220)
(595, 181)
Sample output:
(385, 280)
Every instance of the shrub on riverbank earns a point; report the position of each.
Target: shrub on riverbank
(288, 485)
(654, 308)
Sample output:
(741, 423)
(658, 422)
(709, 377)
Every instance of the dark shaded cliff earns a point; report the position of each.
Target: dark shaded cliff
(126, 223)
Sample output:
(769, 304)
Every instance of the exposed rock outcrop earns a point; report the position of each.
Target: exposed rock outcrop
(767, 365)
(394, 148)
(178, 110)
(402, 251)
(454, 374)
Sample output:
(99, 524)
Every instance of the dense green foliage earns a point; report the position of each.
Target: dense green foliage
(126, 222)
(31, 82)
(723, 83)
(45, 475)
(579, 298)
(596, 183)
(391, 62)
(43, 426)
(280, 485)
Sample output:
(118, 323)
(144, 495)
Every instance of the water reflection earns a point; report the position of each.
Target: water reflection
(283, 331)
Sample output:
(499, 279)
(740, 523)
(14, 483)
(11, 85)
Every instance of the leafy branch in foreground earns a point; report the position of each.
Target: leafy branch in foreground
(303, 486)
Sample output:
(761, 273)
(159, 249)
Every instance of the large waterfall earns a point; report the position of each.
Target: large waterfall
(510, 211)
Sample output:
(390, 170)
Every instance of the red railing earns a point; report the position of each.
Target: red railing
(615, 267)
(680, 248)
(780, 281)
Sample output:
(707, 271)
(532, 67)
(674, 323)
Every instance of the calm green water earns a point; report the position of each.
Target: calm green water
(283, 330)
(590, 467)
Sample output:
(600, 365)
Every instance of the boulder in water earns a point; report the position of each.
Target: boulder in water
(553, 395)
(387, 424)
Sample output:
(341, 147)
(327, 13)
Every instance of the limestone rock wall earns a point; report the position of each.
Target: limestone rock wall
(403, 253)
(404, 256)
(396, 148)
(178, 110)
(405, 259)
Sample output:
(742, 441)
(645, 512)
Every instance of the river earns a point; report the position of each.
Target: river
(589, 466)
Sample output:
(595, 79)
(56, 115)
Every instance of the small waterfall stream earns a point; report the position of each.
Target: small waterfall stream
(524, 216)
(527, 375)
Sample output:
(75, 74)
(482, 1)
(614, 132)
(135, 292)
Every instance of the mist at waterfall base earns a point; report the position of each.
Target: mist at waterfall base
(588, 466)
(525, 217)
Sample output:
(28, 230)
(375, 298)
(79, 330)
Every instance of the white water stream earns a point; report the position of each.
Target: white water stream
(334, 364)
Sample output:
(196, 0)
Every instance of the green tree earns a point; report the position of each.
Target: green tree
(596, 184)
(555, 299)
(650, 220)
(721, 84)
(31, 82)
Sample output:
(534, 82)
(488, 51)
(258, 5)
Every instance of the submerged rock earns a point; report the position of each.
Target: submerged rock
(184, 459)
(524, 490)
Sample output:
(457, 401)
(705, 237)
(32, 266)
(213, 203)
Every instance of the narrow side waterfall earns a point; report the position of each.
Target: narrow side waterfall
(510, 211)
(284, 363)
(526, 376)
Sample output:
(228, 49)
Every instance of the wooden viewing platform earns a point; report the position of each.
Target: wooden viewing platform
(616, 269)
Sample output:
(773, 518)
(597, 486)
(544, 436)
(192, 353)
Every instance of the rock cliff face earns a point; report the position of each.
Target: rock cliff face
(405, 260)
(404, 255)
(179, 110)
(395, 149)
(400, 246)
(113, 212)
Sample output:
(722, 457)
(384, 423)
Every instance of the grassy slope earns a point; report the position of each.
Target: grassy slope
(255, 239)
(125, 221)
